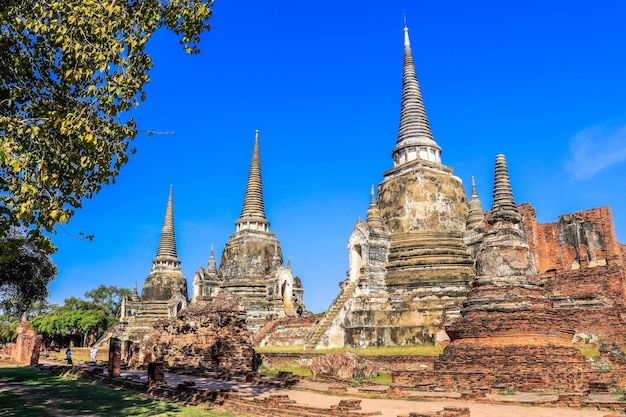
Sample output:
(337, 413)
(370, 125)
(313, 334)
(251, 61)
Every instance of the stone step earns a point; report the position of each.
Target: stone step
(330, 315)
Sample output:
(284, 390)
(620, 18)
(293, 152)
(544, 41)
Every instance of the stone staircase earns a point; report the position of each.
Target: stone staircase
(136, 327)
(338, 303)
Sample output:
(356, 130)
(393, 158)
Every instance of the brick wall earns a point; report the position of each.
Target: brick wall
(383, 362)
(582, 264)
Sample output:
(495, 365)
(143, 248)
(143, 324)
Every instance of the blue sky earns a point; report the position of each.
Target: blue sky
(542, 82)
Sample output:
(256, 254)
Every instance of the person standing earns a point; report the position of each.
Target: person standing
(94, 353)
(68, 357)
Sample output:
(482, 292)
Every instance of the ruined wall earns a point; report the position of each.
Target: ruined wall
(383, 362)
(582, 265)
(211, 337)
(27, 345)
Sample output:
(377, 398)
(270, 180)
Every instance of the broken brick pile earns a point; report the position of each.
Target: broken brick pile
(446, 412)
(204, 336)
(345, 365)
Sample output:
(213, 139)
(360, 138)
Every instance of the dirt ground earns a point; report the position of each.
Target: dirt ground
(311, 393)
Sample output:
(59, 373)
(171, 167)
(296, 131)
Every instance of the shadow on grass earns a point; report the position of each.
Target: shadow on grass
(34, 394)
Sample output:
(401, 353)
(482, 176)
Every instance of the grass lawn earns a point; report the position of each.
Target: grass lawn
(80, 354)
(26, 392)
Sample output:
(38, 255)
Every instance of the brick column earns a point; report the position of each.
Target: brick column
(115, 357)
(156, 373)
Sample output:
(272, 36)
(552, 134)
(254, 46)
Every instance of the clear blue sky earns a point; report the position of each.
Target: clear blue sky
(542, 82)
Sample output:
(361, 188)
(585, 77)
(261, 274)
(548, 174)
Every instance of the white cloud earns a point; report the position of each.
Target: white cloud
(594, 149)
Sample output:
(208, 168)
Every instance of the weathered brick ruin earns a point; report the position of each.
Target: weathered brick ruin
(27, 345)
(209, 336)
(583, 268)
(509, 333)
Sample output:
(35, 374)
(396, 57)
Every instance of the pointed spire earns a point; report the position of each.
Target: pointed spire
(504, 208)
(253, 211)
(212, 265)
(415, 139)
(476, 217)
(135, 294)
(166, 253)
(374, 218)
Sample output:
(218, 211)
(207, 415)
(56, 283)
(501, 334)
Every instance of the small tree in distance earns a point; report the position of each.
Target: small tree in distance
(86, 320)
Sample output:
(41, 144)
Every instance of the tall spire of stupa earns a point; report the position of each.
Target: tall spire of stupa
(253, 211)
(415, 139)
(167, 257)
(503, 208)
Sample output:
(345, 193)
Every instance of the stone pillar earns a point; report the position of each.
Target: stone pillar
(37, 341)
(27, 345)
(128, 352)
(156, 373)
(115, 357)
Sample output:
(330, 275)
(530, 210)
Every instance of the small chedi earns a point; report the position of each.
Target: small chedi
(211, 336)
(252, 265)
(509, 334)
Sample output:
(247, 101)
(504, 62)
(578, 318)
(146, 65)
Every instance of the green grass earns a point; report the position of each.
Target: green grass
(69, 396)
(383, 377)
(417, 350)
(590, 352)
(80, 354)
(294, 368)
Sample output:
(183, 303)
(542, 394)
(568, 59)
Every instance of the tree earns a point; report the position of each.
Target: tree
(10, 321)
(24, 273)
(8, 328)
(85, 319)
(70, 70)
(109, 297)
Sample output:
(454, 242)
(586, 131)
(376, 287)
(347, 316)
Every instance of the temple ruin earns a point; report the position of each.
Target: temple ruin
(211, 336)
